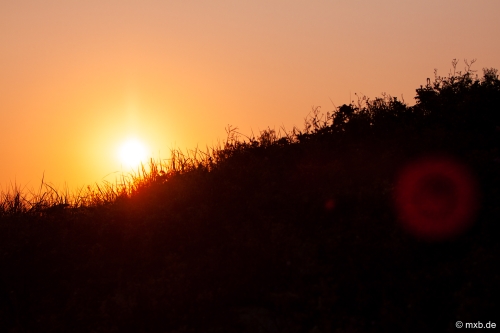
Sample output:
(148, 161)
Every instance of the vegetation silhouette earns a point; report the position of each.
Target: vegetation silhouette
(283, 232)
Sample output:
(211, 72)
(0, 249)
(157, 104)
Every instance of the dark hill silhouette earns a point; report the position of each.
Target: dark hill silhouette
(293, 232)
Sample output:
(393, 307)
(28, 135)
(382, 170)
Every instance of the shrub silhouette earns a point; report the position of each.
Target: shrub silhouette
(280, 232)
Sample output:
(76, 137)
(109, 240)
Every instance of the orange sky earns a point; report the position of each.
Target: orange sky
(77, 78)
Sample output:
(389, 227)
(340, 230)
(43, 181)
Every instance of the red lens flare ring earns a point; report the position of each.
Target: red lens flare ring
(436, 198)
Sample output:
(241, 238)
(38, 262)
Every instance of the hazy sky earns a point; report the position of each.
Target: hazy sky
(77, 78)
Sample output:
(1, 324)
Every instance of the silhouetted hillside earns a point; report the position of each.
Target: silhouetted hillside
(292, 232)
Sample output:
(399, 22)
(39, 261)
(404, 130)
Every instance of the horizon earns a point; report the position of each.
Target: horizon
(80, 79)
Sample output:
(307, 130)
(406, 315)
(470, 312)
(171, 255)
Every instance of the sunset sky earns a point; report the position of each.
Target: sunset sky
(78, 79)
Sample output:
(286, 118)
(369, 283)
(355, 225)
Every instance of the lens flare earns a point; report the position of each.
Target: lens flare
(436, 198)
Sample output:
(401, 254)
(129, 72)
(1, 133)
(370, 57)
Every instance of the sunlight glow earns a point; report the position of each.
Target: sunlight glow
(132, 152)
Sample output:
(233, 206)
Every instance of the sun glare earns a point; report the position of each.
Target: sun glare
(132, 152)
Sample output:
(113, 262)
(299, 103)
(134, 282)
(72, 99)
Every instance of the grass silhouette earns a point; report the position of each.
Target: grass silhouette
(283, 232)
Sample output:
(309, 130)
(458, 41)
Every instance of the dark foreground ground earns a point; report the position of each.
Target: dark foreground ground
(283, 237)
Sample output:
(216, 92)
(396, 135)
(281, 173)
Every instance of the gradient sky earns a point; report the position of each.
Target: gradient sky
(77, 78)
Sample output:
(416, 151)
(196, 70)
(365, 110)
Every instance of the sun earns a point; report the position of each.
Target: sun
(132, 152)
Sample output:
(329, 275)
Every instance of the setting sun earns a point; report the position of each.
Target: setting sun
(132, 152)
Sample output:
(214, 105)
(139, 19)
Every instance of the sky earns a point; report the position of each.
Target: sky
(78, 79)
